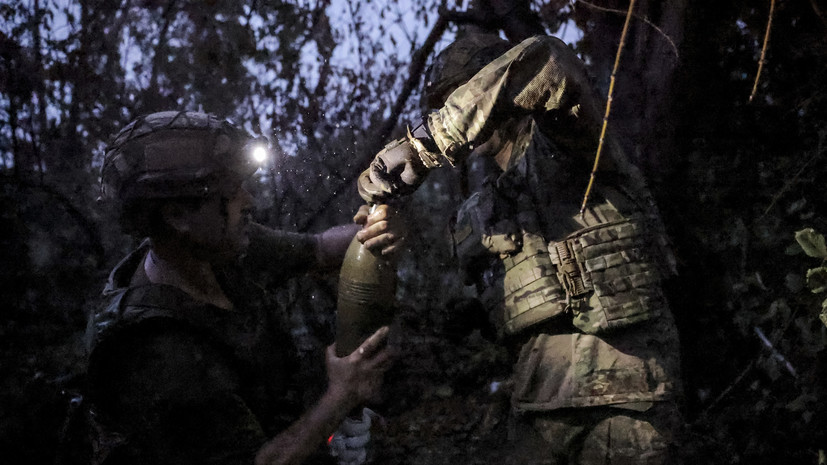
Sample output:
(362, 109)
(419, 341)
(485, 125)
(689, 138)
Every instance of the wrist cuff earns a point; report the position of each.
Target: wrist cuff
(421, 140)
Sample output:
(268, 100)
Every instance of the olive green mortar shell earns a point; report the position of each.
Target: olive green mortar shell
(367, 286)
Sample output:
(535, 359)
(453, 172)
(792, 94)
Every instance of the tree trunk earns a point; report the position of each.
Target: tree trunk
(643, 112)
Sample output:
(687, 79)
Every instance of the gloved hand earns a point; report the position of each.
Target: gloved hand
(349, 442)
(399, 168)
(394, 172)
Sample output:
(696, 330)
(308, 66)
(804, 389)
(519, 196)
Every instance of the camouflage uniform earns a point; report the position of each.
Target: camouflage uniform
(175, 380)
(580, 299)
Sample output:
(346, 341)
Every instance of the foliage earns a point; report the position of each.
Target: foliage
(813, 245)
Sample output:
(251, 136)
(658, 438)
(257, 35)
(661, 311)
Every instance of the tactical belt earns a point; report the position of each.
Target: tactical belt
(605, 276)
(611, 275)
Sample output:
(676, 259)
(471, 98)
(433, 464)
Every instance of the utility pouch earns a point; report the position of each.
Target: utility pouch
(481, 233)
(610, 275)
(467, 236)
(529, 291)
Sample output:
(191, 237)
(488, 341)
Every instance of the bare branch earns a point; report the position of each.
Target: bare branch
(778, 356)
(768, 344)
(415, 70)
(40, 90)
(641, 18)
(818, 12)
(475, 17)
(514, 18)
(728, 389)
(87, 225)
(788, 184)
(157, 58)
(763, 51)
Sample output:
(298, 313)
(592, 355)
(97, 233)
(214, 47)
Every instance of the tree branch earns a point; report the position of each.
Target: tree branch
(822, 135)
(86, 225)
(415, 70)
(486, 21)
(763, 51)
(818, 12)
(157, 57)
(641, 18)
(40, 90)
(515, 18)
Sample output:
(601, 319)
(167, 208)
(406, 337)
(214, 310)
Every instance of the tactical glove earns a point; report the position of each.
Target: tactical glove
(400, 167)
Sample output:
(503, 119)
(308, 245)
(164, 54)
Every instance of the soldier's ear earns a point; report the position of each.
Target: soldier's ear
(176, 216)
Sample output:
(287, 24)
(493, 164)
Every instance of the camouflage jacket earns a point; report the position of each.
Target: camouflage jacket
(580, 296)
(175, 380)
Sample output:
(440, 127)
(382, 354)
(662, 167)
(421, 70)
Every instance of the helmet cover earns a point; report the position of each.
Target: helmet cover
(174, 154)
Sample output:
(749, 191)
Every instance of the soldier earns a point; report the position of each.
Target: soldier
(180, 370)
(578, 298)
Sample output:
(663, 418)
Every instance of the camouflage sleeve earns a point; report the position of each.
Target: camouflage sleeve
(541, 77)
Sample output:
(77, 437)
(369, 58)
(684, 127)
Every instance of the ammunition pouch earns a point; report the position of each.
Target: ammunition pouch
(528, 291)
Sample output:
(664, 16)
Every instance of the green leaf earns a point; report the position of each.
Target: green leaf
(817, 279)
(812, 243)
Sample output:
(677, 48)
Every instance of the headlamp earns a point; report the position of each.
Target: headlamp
(257, 151)
(259, 154)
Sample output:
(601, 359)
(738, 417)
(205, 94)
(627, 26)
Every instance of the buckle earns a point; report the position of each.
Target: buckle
(569, 274)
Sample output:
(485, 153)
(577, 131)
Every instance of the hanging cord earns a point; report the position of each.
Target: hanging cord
(608, 107)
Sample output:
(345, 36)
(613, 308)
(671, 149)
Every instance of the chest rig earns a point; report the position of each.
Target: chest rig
(520, 240)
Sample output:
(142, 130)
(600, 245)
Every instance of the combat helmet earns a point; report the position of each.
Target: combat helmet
(175, 154)
(458, 63)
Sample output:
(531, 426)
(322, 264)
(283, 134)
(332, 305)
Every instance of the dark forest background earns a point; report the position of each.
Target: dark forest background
(330, 82)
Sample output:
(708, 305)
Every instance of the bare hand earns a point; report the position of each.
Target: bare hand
(383, 231)
(357, 378)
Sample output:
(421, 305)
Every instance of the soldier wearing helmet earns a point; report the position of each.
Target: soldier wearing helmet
(578, 298)
(181, 370)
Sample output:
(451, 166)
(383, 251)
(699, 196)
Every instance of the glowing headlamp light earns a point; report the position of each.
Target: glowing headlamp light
(257, 151)
(259, 154)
